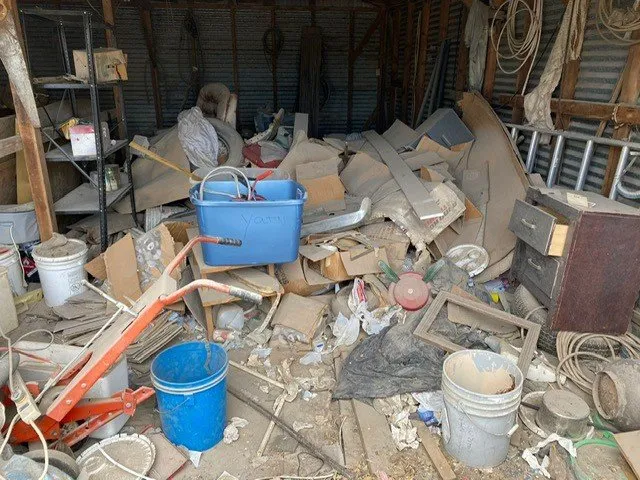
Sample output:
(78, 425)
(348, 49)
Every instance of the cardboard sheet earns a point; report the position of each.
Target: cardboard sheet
(299, 313)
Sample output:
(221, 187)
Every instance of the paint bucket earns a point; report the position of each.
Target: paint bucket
(61, 270)
(191, 388)
(481, 398)
(10, 259)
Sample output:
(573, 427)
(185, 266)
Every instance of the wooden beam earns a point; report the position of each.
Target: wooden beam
(351, 59)
(567, 91)
(109, 19)
(444, 19)
(395, 59)
(629, 93)
(274, 60)
(462, 74)
(10, 145)
(368, 34)
(32, 146)
(624, 113)
(407, 71)
(234, 57)
(491, 65)
(423, 50)
(147, 29)
(382, 76)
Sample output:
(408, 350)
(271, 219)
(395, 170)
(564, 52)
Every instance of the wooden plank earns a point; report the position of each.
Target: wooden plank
(33, 151)
(407, 71)
(629, 443)
(351, 60)
(491, 65)
(462, 75)
(351, 439)
(430, 443)
(444, 19)
(623, 112)
(381, 120)
(567, 91)
(367, 35)
(147, 29)
(10, 145)
(395, 53)
(423, 50)
(417, 195)
(109, 19)
(376, 438)
(628, 94)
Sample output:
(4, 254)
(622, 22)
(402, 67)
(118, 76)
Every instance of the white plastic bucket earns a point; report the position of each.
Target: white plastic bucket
(61, 276)
(482, 393)
(10, 259)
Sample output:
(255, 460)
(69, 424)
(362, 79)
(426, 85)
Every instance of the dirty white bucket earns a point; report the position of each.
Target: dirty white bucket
(10, 259)
(481, 398)
(61, 271)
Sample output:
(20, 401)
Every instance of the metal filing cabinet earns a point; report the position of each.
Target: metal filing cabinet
(578, 253)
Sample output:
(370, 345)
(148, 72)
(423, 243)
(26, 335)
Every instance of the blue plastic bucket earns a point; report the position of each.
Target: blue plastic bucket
(191, 390)
(269, 229)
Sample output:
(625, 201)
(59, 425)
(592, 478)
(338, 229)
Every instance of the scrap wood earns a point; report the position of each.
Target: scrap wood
(314, 449)
(430, 444)
(629, 444)
(423, 204)
(265, 439)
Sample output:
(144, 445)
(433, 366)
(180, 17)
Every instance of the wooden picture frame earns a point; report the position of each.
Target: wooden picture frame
(422, 330)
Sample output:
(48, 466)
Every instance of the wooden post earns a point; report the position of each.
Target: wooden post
(628, 94)
(147, 29)
(351, 60)
(32, 147)
(462, 75)
(109, 20)
(382, 77)
(234, 56)
(407, 72)
(274, 60)
(395, 50)
(491, 65)
(423, 49)
(567, 91)
(444, 19)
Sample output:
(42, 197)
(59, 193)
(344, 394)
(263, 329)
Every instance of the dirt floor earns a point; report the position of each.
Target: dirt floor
(334, 431)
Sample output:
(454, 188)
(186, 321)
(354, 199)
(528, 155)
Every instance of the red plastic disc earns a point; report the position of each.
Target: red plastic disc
(411, 293)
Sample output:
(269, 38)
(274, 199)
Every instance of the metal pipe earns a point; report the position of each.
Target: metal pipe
(584, 165)
(612, 142)
(554, 166)
(621, 169)
(514, 133)
(533, 151)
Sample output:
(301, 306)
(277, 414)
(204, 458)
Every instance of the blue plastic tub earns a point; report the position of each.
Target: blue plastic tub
(269, 229)
(191, 389)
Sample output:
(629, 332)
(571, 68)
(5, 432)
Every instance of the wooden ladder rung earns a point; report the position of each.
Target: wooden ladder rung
(10, 145)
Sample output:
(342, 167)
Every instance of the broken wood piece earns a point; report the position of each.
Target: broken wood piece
(275, 383)
(272, 424)
(314, 449)
(376, 437)
(629, 443)
(417, 195)
(430, 443)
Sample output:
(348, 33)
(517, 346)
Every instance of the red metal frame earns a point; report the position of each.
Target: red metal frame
(70, 407)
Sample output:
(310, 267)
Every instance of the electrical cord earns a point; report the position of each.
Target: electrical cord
(569, 349)
(519, 48)
(615, 25)
(44, 447)
(122, 467)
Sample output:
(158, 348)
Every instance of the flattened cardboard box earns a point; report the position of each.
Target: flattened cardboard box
(324, 187)
(357, 261)
(300, 313)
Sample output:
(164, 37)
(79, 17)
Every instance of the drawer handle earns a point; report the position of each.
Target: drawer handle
(530, 225)
(534, 264)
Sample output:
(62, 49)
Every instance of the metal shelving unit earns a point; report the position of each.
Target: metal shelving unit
(89, 197)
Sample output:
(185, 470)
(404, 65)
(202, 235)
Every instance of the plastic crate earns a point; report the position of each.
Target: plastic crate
(269, 229)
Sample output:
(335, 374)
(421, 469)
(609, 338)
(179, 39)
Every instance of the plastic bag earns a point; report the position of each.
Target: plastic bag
(346, 330)
(198, 138)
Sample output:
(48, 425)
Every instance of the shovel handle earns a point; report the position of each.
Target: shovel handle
(157, 158)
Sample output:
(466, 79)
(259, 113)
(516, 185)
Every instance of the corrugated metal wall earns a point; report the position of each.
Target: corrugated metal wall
(254, 66)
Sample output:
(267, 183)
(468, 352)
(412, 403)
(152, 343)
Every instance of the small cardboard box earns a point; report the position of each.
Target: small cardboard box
(83, 140)
(324, 187)
(111, 64)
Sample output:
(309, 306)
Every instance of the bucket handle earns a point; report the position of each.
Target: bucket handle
(302, 193)
(508, 433)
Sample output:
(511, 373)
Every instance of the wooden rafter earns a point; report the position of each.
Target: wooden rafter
(147, 29)
(407, 71)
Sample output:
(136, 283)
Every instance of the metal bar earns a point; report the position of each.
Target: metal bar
(584, 165)
(621, 169)
(69, 157)
(97, 130)
(62, 34)
(556, 159)
(533, 151)
(514, 133)
(578, 136)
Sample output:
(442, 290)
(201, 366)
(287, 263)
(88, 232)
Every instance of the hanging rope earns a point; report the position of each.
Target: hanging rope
(522, 47)
(615, 25)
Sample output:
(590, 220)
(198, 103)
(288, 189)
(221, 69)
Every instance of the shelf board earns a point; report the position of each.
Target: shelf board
(84, 200)
(73, 85)
(55, 155)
